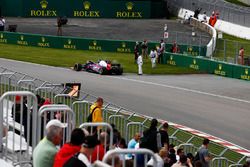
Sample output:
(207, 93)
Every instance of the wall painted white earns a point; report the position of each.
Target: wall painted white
(223, 26)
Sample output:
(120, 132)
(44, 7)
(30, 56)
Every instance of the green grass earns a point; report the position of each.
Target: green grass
(67, 58)
(233, 44)
(237, 2)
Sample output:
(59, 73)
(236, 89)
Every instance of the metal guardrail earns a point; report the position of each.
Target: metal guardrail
(9, 80)
(145, 152)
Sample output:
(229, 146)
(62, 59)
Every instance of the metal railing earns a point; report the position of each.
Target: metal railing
(19, 140)
(145, 152)
(228, 12)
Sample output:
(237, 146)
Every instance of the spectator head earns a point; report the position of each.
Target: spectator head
(77, 137)
(190, 156)
(88, 145)
(154, 123)
(122, 143)
(171, 146)
(161, 40)
(18, 99)
(104, 138)
(137, 137)
(172, 151)
(163, 153)
(198, 164)
(165, 126)
(114, 161)
(99, 101)
(54, 129)
(183, 159)
(180, 151)
(206, 142)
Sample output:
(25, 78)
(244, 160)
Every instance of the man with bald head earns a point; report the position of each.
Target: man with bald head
(45, 151)
(133, 142)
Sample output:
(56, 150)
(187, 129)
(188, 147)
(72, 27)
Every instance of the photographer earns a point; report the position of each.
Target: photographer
(2, 23)
(59, 26)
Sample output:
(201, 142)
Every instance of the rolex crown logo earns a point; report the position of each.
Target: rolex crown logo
(1, 36)
(171, 58)
(94, 43)
(86, 5)
(69, 41)
(194, 61)
(220, 66)
(44, 4)
(22, 37)
(190, 49)
(43, 39)
(129, 6)
(124, 45)
(246, 71)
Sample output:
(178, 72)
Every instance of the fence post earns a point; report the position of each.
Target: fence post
(219, 161)
(130, 151)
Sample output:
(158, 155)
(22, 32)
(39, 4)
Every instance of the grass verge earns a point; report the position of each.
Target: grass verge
(67, 58)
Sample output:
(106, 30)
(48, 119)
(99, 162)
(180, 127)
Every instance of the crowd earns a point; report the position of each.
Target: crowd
(141, 52)
(85, 146)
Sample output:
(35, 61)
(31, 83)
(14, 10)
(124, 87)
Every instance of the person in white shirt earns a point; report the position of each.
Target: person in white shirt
(2, 23)
(153, 55)
(140, 63)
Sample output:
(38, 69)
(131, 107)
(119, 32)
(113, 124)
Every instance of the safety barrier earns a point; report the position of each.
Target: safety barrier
(73, 43)
(24, 114)
(145, 152)
(208, 66)
(188, 148)
(111, 110)
(53, 111)
(218, 162)
(105, 127)
(236, 165)
(100, 164)
(132, 128)
(209, 29)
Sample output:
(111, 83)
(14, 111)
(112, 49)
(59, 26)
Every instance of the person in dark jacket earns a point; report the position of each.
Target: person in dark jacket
(71, 148)
(164, 136)
(81, 159)
(152, 137)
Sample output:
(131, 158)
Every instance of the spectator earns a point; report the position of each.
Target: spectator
(164, 135)
(114, 161)
(153, 55)
(212, 19)
(81, 159)
(59, 26)
(241, 56)
(180, 152)
(2, 23)
(71, 148)
(175, 48)
(186, 18)
(96, 111)
(204, 18)
(152, 138)
(184, 161)
(140, 63)
(191, 158)
(122, 145)
(136, 51)
(198, 164)
(197, 12)
(45, 151)
(100, 149)
(160, 162)
(161, 51)
(172, 156)
(204, 153)
(144, 49)
(133, 142)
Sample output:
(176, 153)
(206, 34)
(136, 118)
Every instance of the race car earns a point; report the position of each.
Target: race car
(102, 67)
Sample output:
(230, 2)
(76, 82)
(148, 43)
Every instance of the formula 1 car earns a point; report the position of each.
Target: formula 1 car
(102, 67)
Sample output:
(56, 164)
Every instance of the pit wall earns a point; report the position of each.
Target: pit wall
(58, 42)
(208, 66)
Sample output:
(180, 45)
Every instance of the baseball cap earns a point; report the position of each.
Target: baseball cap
(55, 122)
(90, 142)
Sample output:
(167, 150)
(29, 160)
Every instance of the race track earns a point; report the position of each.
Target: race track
(215, 105)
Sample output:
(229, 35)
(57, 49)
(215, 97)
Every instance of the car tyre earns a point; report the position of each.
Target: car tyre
(78, 67)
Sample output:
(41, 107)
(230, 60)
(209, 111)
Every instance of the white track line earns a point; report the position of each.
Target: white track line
(182, 89)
